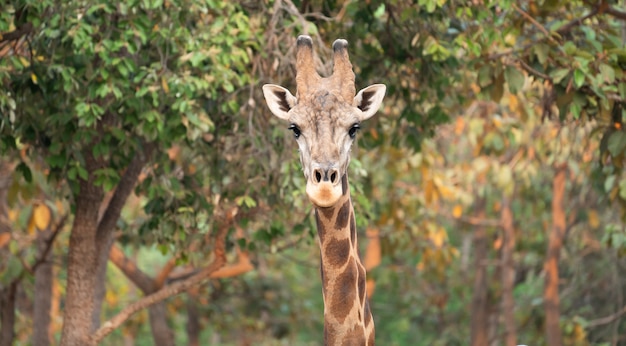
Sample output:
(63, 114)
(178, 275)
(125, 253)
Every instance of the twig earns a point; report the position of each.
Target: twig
(533, 71)
(607, 319)
(534, 22)
(567, 27)
(49, 242)
(474, 221)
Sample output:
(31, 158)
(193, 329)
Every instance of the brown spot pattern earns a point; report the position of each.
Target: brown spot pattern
(337, 252)
(354, 337)
(330, 335)
(342, 216)
(344, 293)
(361, 283)
(344, 184)
(320, 228)
(327, 212)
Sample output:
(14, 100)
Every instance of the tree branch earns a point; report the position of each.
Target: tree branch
(534, 22)
(123, 190)
(607, 319)
(130, 269)
(164, 273)
(166, 292)
(615, 13)
(49, 242)
(578, 21)
(25, 29)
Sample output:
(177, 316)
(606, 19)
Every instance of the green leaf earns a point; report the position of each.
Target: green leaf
(541, 52)
(485, 75)
(608, 73)
(579, 78)
(25, 170)
(609, 182)
(514, 78)
(617, 143)
(558, 75)
(380, 11)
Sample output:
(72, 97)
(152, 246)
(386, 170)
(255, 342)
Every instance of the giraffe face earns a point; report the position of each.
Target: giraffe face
(324, 118)
(324, 127)
(324, 130)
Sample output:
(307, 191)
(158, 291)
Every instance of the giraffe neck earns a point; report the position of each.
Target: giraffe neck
(347, 316)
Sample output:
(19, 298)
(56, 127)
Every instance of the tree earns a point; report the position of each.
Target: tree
(100, 91)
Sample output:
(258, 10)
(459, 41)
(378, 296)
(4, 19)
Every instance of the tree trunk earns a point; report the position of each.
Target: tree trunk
(43, 292)
(100, 289)
(108, 214)
(479, 315)
(551, 265)
(508, 273)
(7, 294)
(193, 321)
(161, 332)
(7, 314)
(81, 267)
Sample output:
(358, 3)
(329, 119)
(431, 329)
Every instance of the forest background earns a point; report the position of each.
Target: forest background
(148, 197)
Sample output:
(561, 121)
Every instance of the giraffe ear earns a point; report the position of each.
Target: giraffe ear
(369, 100)
(279, 100)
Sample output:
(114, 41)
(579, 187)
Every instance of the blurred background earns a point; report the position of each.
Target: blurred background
(138, 155)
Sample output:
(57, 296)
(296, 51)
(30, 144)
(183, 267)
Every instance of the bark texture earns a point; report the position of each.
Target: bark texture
(43, 291)
(7, 314)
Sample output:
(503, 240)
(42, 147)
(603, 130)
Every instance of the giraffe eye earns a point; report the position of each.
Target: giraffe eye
(295, 129)
(353, 130)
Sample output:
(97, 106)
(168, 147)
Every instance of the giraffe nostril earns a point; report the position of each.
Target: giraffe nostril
(318, 176)
(333, 177)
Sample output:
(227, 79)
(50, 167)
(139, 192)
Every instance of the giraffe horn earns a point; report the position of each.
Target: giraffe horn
(343, 76)
(305, 66)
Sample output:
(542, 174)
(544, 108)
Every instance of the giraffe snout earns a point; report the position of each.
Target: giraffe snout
(326, 174)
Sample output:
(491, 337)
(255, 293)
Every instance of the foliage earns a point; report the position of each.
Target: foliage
(484, 98)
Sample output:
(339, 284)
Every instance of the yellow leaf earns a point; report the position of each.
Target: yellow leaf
(30, 228)
(58, 204)
(41, 216)
(457, 211)
(13, 214)
(438, 237)
(594, 220)
(24, 61)
(166, 88)
(33, 77)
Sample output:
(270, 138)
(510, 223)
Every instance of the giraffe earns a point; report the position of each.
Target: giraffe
(324, 117)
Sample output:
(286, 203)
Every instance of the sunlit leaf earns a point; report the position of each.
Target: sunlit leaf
(42, 216)
(514, 78)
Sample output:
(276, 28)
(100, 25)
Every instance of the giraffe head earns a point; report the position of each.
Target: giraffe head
(324, 116)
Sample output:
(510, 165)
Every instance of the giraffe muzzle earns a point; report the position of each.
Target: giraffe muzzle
(323, 186)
